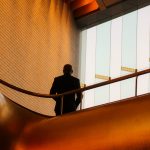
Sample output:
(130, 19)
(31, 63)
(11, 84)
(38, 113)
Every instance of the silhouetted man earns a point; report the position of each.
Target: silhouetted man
(63, 84)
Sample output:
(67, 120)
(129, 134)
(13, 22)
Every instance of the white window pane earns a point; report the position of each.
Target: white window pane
(129, 47)
(143, 41)
(129, 34)
(101, 94)
(115, 69)
(90, 66)
(103, 43)
(82, 59)
(143, 84)
(143, 48)
(127, 88)
(103, 48)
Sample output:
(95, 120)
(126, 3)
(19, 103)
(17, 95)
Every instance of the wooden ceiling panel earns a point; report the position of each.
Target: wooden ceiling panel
(111, 2)
(88, 13)
(84, 10)
(80, 3)
(81, 8)
(106, 10)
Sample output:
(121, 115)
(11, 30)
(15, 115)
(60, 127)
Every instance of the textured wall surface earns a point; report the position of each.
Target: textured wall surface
(37, 37)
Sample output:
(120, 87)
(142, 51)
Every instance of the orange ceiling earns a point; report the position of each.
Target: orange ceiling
(88, 13)
(84, 7)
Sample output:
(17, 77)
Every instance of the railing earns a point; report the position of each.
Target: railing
(78, 90)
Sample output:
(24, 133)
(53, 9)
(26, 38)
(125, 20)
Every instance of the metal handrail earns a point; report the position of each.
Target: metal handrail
(77, 90)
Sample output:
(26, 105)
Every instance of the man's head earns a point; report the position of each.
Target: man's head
(67, 70)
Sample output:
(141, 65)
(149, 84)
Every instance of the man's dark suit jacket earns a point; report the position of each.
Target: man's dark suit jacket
(63, 84)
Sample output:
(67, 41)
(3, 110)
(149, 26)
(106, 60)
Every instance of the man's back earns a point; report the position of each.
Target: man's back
(66, 83)
(63, 84)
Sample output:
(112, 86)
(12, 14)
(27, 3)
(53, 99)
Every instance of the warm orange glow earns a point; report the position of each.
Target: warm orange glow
(86, 9)
(123, 125)
(80, 3)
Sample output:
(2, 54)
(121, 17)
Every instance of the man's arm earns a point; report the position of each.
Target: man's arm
(53, 89)
(79, 94)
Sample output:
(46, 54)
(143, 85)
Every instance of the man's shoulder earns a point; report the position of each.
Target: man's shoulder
(75, 78)
(59, 77)
(62, 77)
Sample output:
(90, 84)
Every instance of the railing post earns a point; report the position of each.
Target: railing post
(136, 83)
(62, 103)
(84, 85)
(81, 105)
(109, 89)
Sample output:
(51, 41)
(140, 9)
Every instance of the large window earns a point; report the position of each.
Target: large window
(112, 49)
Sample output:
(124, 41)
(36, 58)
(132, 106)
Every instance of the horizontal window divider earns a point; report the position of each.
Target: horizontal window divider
(98, 76)
(132, 70)
(83, 85)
